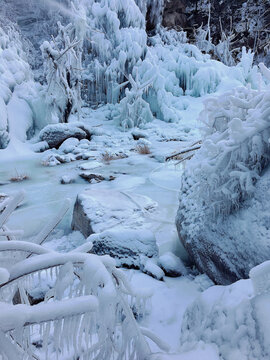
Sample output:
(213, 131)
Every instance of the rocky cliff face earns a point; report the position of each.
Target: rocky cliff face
(249, 21)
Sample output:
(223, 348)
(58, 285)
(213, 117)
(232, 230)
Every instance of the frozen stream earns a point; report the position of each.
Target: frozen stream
(137, 174)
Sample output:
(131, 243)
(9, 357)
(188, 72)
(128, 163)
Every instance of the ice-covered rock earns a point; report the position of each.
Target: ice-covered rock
(172, 265)
(151, 268)
(138, 134)
(56, 134)
(126, 246)
(68, 179)
(40, 146)
(223, 217)
(69, 145)
(97, 211)
(90, 165)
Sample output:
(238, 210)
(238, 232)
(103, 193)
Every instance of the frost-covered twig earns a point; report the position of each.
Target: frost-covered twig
(182, 152)
(23, 246)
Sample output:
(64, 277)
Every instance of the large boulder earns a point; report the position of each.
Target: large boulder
(56, 134)
(223, 216)
(114, 222)
(228, 248)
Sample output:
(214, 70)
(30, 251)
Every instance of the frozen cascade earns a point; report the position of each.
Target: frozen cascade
(16, 88)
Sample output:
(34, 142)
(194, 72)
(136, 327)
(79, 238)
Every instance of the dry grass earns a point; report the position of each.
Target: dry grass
(143, 149)
(19, 178)
(106, 157)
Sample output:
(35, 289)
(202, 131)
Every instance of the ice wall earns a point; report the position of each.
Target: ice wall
(16, 116)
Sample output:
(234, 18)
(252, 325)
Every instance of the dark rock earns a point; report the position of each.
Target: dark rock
(239, 17)
(127, 247)
(56, 134)
(67, 179)
(80, 219)
(136, 134)
(33, 300)
(90, 177)
(4, 139)
(174, 14)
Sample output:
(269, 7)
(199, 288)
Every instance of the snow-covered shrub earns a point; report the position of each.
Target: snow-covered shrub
(222, 51)
(63, 72)
(134, 110)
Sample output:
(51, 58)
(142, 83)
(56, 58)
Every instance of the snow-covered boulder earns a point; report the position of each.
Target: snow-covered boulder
(125, 245)
(223, 216)
(97, 211)
(56, 134)
(69, 145)
(151, 268)
(235, 318)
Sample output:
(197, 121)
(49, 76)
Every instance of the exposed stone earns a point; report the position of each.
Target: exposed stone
(4, 139)
(68, 179)
(96, 178)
